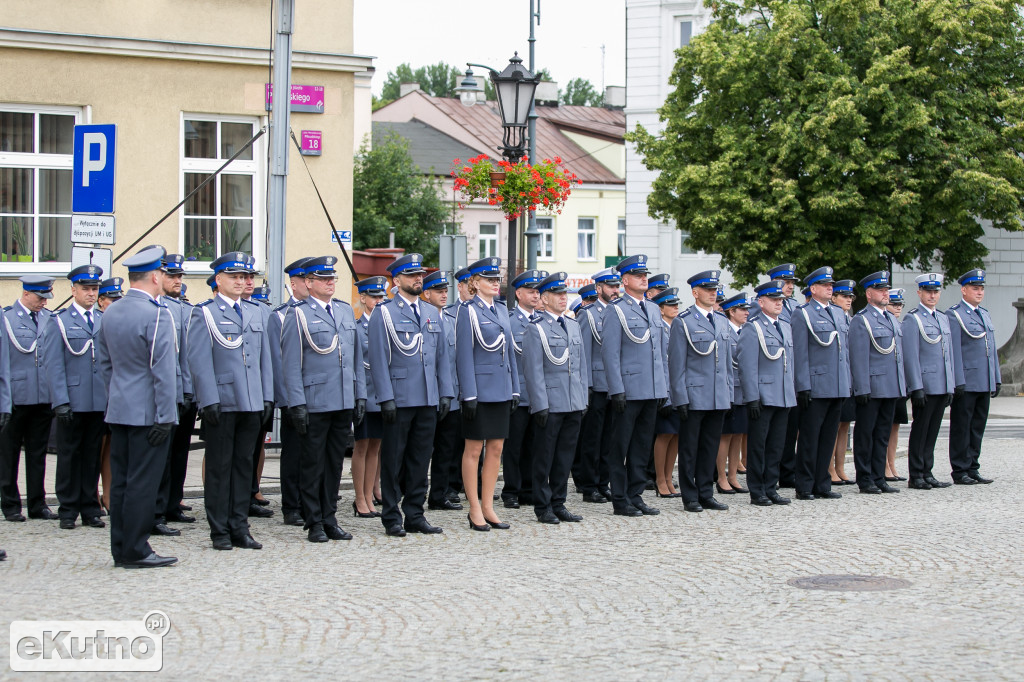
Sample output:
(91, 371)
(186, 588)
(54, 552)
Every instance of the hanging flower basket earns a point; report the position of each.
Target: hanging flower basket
(515, 187)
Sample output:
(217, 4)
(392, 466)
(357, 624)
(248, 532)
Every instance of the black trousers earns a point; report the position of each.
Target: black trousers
(552, 460)
(229, 472)
(924, 431)
(819, 424)
(323, 456)
(78, 465)
(291, 454)
(448, 449)
(517, 456)
(29, 428)
(765, 441)
(172, 487)
(405, 459)
(632, 433)
(699, 435)
(967, 418)
(871, 439)
(590, 470)
(135, 470)
(787, 466)
(261, 438)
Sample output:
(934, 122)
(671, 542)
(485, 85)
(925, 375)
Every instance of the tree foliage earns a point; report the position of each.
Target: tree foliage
(390, 191)
(853, 133)
(581, 92)
(439, 80)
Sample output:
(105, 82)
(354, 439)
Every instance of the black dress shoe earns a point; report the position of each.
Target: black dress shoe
(886, 488)
(964, 479)
(785, 483)
(549, 517)
(154, 560)
(67, 524)
(17, 517)
(180, 517)
(263, 503)
(871, 490)
(606, 494)
(337, 533)
(293, 519)
(594, 497)
(3, 555)
(95, 522)
(483, 527)
(628, 510)
(778, 499)
(936, 483)
(645, 509)
(223, 544)
(723, 491)
(245, 542)
(316, 533)
(452, 497)
(650, 485)
(829, 495)
(761, 501)
(919, 484)
(509, 502)
(184, 507)
(395, 531)
(692, 507)
(979, 478)
(446, 505)
(45, 515)
(713, 504)
(164, 529)
(804, 496)
(420, 525)
(564, 514)
(892, 479)
(260, 512)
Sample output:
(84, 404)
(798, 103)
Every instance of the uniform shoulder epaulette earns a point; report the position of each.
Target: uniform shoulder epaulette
(983, 308)
(719, 312)
(204, 303)
(617, 301)
(282, 306)
(338, 300)
(534, 319)
(7, 307)
(913, 311)
(955, 306)
(250, 301)
(803, 305)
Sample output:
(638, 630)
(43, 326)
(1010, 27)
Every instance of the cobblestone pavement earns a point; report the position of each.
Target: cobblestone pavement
(612, 598)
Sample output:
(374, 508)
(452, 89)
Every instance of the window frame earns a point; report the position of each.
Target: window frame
(593, 238)
(489, 238)
(545, 235)
(620, 236)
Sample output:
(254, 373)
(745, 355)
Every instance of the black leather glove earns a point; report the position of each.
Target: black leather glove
(5, 418)
(540, 418)
(665, 410)
(803, 399)
(469, 409)
(211, 414)
(515, 403)
(268, 411)
(188, 402)
(959, 390)
(158, 433)
(443, 408)
(754, 409)
(917, 398)
(995, 393)
(300, 419)
(947, 400)
(388, 412)
(684, 412)
(863, 398)
(360, 411)
(64, 414)
(618, 402)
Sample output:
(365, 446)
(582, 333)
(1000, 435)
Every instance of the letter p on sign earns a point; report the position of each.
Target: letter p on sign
(92, 189)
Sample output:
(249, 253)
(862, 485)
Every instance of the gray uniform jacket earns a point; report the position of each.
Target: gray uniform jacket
(555, 387)
(449, 316)
(591, 321)
(321, 379)
(700, 361)
(519, 321)
(363, 333)
(737, 378)
(975, 362)
(28, 379)
(410, 367)
(239, 378)
(821, 339)
(72, 372)
(275, 325)
(928, 352)
(764, 379)
(633, 367)
(490, 376)
(181, 314)
(785, 315)
(135, 351)
(5, 373)
(877, 373)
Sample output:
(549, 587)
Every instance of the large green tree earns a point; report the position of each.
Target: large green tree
(439, 80)
(581, 92)
(390, 191)
(854, 133)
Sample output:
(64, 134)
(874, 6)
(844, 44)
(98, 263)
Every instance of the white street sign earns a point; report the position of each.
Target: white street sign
(92, 229)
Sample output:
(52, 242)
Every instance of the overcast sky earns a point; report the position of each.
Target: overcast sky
(422, 32)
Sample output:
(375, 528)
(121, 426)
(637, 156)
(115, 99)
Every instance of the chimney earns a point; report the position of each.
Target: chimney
(405, 88)
(546, 94)
(615, 97)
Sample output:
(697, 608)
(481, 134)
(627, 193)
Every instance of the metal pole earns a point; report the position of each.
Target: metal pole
(513, 234)
(531, 224)
(280, 125)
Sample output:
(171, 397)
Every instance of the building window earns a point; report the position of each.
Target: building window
(488, 240)
(36, 144)
(546, 240)
(224, 215)
(684, 250)
(585, 237)
(621, 237)
(685, 33)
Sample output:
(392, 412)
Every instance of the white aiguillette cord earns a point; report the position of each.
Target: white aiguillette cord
(764, 346)
(64, 334)
(593, 328)
(928, 339)
(832, 336)
(625, 328)
(407, 349)
(474, 322)
(712, 348)
(883, 351)
(547, 348)
(14, 339)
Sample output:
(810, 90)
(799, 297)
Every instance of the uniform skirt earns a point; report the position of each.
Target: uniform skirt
(736, 421)
(372, 427)
(900, 416)
(491, 421)
(669, 424)
(848, 412)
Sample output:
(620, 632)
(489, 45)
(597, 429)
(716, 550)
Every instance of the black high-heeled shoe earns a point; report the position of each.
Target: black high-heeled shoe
(476, 527)
(499, 525)
(362, 515)
(738, 489)
(723, 491)
(377, 501)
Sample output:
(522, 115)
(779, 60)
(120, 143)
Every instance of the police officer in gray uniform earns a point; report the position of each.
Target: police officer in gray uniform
(554, 362)
(517, 455)
(701, 386)
(79, 398)
(232, 374)
(291, 442)
(821, 335)
(978, 378)
(451, 315)
(876, 362)
(325, 390)
(764, 356)
(590, 471)
(136, 354)
(24, 323)
(412, 378)
(931, 380)
(634, 363)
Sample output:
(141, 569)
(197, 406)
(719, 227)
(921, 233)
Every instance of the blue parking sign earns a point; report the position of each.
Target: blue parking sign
(92, 188)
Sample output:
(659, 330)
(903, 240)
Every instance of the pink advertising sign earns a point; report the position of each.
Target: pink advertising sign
(307, 99)
(311, 142)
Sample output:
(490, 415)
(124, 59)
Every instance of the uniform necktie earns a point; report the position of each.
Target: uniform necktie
(330, 310)
(830, 316)
(643, 311)
(238, 309)
(33, 316)
(778, 328)
(416, 311)
(493, 311)
(88, 318)
(711, 319)
(561, 321)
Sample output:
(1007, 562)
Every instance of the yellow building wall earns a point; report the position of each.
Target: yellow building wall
(607, 206)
